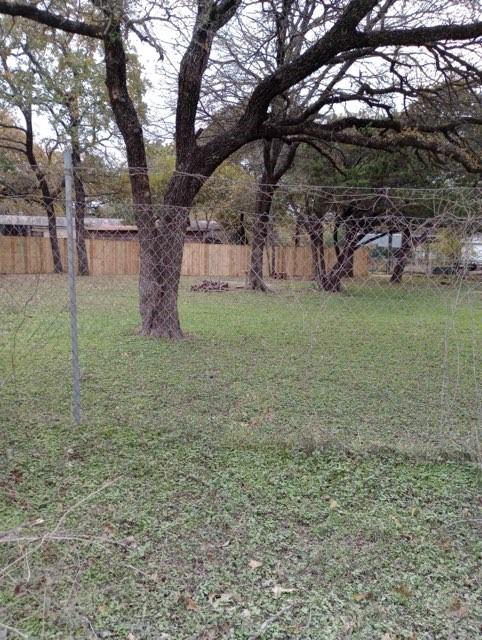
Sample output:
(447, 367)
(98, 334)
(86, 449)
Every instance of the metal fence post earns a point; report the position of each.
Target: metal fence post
(72, 288)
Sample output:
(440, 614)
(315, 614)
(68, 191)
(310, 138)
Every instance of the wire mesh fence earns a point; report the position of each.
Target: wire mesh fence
(343, 320)
(336, 316)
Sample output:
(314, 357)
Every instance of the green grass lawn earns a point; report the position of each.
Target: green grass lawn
(301, 466)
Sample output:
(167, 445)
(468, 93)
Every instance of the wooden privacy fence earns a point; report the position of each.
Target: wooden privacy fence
(23, 255)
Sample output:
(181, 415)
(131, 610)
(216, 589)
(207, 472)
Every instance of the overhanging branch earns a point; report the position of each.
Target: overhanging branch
(50, 19)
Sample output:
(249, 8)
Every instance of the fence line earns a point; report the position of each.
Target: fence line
(32, 255)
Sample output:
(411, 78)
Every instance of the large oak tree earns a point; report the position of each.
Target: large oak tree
(393, 32)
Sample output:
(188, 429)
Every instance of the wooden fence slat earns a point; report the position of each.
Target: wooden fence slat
(25, 255)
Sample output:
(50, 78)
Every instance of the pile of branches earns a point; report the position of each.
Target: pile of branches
(210, 285)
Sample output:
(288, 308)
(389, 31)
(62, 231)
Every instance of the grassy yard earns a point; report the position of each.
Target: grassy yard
(301, 466)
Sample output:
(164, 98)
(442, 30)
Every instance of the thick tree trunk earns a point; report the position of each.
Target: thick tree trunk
(348, 269)
(264, 199)
(162, 264)
(332, 281)
(314, 227)
(318, 253)
(278, 158)
(158, 286)
(255, 275)
(47, 198)
(161, 246)
(401, 258)
(48, 205)
(160, 250)
(402, 255)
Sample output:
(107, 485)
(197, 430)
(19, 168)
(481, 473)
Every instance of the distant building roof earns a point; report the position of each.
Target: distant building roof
(204, 225)
(90, 223)
(97, 224)
(383, 241)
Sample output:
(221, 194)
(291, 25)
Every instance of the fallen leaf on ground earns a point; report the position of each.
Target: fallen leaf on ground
(16, 475)
(220, 599)
(403, 590)
(37, 522)
(216, 632)
(278, 590)
(255, 564)
(190, 604)
(458, 608)
(361, 597)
